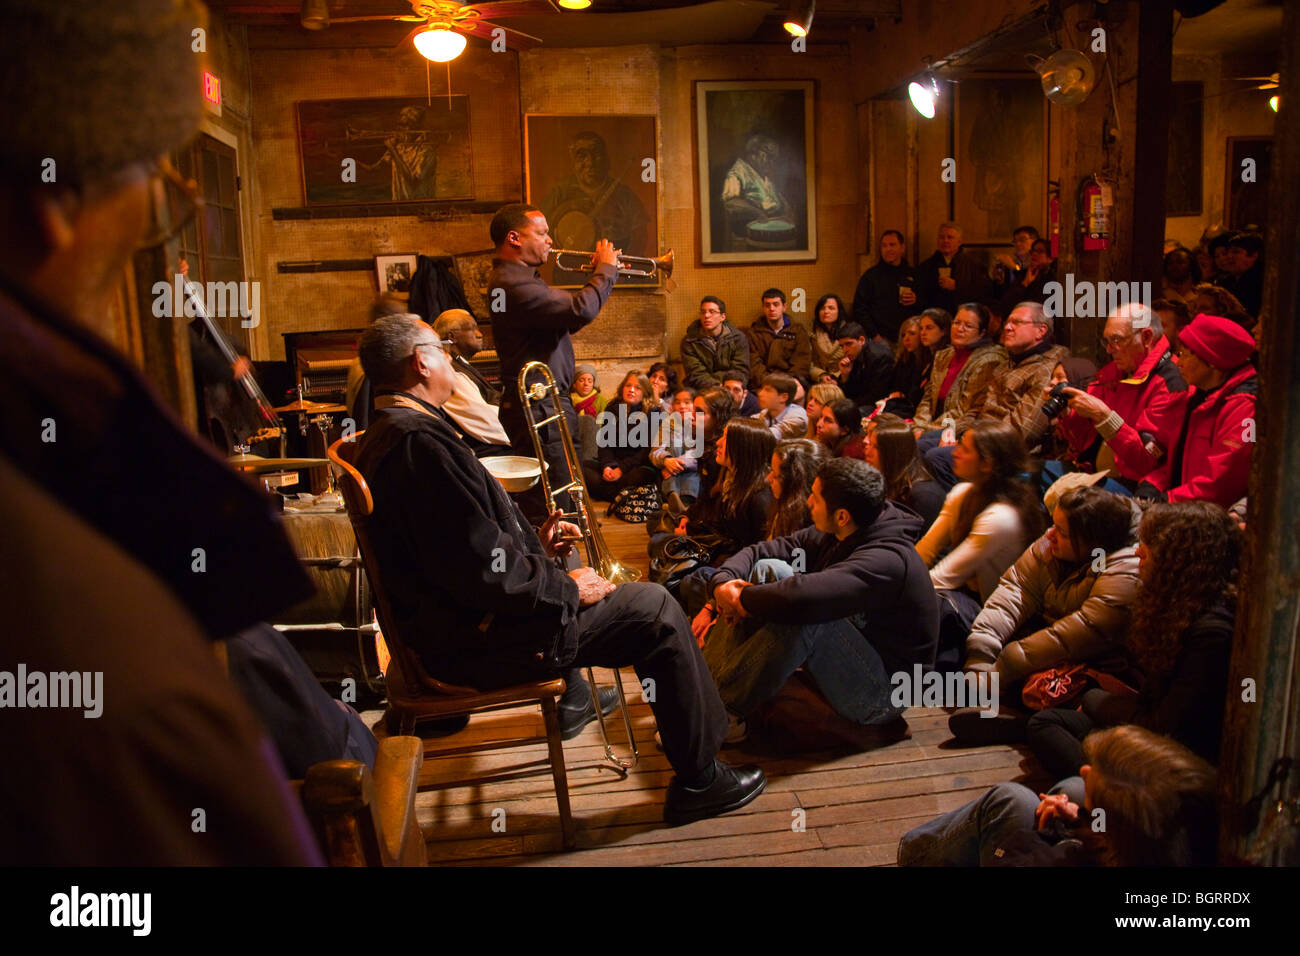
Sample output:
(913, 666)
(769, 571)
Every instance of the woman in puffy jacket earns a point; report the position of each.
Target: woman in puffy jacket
(962, 372)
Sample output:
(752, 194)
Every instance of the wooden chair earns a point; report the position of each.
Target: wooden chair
(413, 694)
(365, 819)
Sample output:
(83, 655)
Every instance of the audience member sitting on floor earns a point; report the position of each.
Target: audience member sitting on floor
(935, 325)
(713, 408)
(1158, 796)
(663, 381)
(1209, 445)
(474, 624)
(778, 344)
(819, 396)
(678, 448)
(780, 414)
(910, 364)
(795, 463)
(1125, 419)
(866, 371)
(624, 439)
(1180, 636)
(713, 349)
(739, 505)
(1066, 600)
(960, 375)
(586, 395)
(828, 318)
(746, 401)
(987, 521)
(859, 608)
(890, 447)
(840, 430)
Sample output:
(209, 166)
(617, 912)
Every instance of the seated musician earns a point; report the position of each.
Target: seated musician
(471, 405)
(477, 596)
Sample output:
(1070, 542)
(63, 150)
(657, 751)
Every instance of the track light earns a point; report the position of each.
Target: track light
(1272, 102)
(574, 4)
(924, 95)
(314, 15)
(800, 19)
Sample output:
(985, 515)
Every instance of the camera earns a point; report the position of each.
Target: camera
(1057, 401)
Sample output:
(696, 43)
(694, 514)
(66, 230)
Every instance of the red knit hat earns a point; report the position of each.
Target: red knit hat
(1217, 341)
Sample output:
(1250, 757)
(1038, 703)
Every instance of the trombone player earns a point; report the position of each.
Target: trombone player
(531, 322)
(483, 605)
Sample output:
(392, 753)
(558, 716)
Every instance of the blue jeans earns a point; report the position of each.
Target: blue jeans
(972, 835)
(749, 670)
(1054, 469)
(686, 484)
(939, 460)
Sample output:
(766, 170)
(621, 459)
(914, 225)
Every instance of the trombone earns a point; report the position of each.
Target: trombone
(599, 557)
(627, 265)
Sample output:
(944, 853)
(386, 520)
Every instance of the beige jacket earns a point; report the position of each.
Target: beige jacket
(1017, 392)
(1083, 611)
(968, 392)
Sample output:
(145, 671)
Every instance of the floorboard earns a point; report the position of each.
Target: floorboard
(832, 809)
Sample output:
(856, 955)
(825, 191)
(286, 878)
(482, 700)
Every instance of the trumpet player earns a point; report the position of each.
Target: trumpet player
(533, 322)
(482, 604)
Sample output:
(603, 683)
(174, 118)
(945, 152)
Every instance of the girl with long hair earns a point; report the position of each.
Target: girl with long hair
(794, 468)
(714, 407)
(1158, 797)
(663, 384)
(1179, 636)
(624, 439)
(828, 317)
(819, 396)
(891, 447)
(739, 502)
(910, 361)
(840, 429)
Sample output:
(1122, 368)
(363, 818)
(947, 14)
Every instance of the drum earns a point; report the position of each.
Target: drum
(771, 234)
(327, 547)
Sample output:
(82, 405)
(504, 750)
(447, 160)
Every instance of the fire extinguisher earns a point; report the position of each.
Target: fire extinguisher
(1094, 216)
(1054, 218)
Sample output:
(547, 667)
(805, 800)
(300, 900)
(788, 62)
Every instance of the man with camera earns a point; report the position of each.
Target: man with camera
(1127, 417)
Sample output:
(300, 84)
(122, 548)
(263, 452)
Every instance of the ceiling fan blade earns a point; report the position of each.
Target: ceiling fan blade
(394, 18)
(515, 39)
(511, 8)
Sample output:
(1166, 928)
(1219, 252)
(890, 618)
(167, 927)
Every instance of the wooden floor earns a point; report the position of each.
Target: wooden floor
(817, 810)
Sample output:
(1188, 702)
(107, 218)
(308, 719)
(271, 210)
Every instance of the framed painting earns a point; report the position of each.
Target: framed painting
(1000, 145)
(473, 269)
(756, 167)
(395, 149)
(1245, 196)
(594, 178)
(394, 272)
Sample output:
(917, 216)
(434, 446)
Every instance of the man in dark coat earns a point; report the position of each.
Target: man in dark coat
(533, 324)
(852, 605)
(886, 293)
(951, 276)
(866, 373)
(476, 594)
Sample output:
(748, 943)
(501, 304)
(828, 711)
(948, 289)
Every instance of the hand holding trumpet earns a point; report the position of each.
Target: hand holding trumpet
(605, 254)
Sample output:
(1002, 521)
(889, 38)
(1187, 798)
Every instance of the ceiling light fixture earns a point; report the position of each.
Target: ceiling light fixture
(574, 4)
(314, 15)
(924, 95)
(800, 19)
(440, 43)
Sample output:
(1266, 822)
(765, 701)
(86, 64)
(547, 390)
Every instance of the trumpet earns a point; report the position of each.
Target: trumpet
(627, 265)
(599, 557)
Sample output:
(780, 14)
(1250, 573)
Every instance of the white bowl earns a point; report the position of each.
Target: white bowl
(515, 472)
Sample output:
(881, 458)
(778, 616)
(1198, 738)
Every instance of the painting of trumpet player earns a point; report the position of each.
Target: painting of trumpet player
(385, 150)
(595, 177)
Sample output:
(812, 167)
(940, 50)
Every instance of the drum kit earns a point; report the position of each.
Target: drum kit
(320, 417)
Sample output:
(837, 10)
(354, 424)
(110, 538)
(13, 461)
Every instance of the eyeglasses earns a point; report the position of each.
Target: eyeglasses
(444, 344)
(176, 201)
(1115, 341)
(968, 326)
(1013, 322)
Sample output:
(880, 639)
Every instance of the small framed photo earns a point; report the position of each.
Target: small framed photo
(394, 272)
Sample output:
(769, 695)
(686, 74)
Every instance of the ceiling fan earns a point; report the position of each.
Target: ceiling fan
(443, 23)
(1269, 82)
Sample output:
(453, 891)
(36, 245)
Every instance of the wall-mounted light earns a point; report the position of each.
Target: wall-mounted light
(924, 95)
(1272, 102)
(800, 19)
(440, 43)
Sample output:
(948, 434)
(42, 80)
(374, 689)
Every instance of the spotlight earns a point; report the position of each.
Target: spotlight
(440, 43)
(800, 19)
(575, 4)
(314, 15)
(1272, 102)
(924, 96)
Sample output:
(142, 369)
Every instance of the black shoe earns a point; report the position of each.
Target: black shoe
(732, 788)
(969, 726)
(572, 721)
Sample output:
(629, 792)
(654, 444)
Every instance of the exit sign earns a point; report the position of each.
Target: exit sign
(212, 92)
